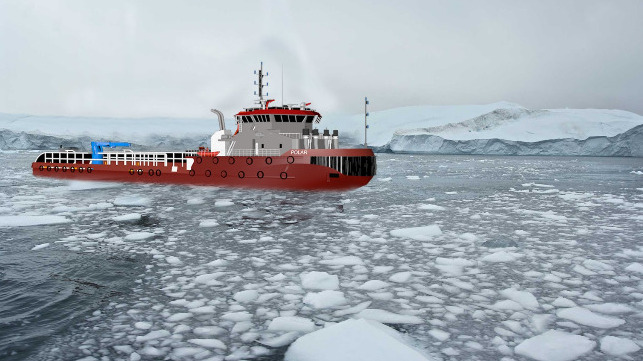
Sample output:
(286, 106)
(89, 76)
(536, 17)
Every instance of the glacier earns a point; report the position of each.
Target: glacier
(500, 128)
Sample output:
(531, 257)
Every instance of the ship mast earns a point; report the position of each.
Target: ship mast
(365, 120)
(259, 84)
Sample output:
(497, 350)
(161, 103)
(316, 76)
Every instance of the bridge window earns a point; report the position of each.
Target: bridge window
(309, 119)
(292, 118)
(300, 118)
(278, 118)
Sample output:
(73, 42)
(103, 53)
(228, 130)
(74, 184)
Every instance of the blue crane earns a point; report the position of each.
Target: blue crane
(97, 148)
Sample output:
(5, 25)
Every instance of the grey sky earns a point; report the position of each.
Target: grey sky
(180, 58)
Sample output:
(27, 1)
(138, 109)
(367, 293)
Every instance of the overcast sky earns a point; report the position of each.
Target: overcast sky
(181, 58)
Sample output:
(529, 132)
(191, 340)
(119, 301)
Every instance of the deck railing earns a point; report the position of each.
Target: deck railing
(255, 152)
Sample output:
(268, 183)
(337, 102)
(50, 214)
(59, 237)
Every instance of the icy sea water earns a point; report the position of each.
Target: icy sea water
(526, 244)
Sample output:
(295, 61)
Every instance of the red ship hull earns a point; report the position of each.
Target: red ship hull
(290, 171)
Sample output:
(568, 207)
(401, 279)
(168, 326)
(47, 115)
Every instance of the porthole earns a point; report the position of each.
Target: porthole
(242, 174)
(224, 174)
(283, 175)
(259, 174)
(208, 173)
(290, 159)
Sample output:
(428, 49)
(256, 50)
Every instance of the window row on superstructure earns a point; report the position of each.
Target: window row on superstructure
(263, 118)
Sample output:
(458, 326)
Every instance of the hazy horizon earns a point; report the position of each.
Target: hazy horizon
(178, 60)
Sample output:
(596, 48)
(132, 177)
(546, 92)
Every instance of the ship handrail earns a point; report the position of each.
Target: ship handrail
(292, 135)
(124, 157)
(256, 152)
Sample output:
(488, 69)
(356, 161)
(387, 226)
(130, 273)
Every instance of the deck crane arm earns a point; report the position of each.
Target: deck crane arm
(97, 149)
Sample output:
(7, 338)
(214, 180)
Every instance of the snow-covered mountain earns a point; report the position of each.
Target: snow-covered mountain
(502, 120)
(497, 128)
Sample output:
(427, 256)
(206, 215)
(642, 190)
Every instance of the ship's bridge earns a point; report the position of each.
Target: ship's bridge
(267, 130)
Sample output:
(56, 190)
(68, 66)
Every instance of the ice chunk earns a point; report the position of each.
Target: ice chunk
(179, 316)
(173, 260)
(208, 331)
(237, 316)
(439, 334)
(353, 309)
(524, 298)
(634, 267)
(325, 299)
(129, 217)
(343, 261)
(418, 233)
(132, 201)
(223, 203)
(40, 246)
(501, 256)
(208, 343)
(153, 335)
(430, 207)
(400, 277)
(507, 305)
(373, 285)
(353, 340)
(246, 296)
(555, 346)
(387, 317)
(563, 302)
(292, 323)
(24, 220)
(610, 308)
(412, 177)
(618, 346)
(143, 325)
(319, 281)
(208, 278)
(586, 317)
(207, 223)
(138, 236)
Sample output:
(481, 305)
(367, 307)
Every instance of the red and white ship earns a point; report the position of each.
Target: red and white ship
(273, 147)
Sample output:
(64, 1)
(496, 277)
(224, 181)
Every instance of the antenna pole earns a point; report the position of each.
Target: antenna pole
(282, 84)
(365, 120)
